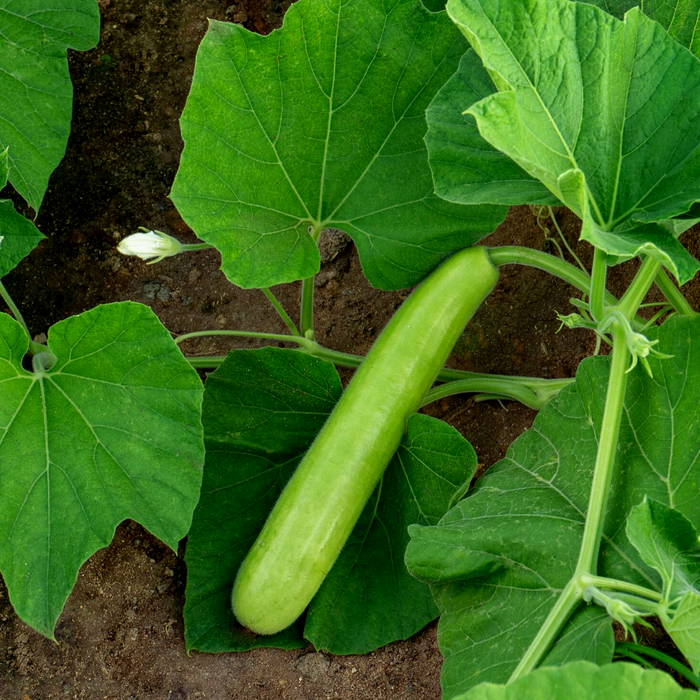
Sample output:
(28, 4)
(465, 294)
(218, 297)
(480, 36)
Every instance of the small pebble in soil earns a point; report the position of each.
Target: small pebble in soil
(313, 667)
(331, 243)
(150, 289)
(163, 293)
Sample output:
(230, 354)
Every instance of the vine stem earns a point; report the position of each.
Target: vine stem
(532, 391)
(307, 307)
(306, 322)
(634, 296)
(187, 247)
(535, 396)
(597, 290)
(629, 649)
(568, 600)
(15, 310)
(280, 310)
(564, 240)
(572, 594)
(605, 459)
(673, 294)
(613, 584)
(241, 334)
(520, 255)
(34, 348)
(634, 657)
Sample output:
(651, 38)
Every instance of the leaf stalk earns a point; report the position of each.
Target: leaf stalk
(634, 651)
(280, 310)
(531, 391)
(597, 289)
(34, 348)
(634, 296)
(673, 294)
(605, 458)
(307, 308)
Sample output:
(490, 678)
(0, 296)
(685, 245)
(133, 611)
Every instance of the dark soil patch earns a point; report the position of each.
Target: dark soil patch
(121, 634)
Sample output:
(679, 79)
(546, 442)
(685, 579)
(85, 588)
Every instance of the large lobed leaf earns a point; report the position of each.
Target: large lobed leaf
(599, 114)
(584, 681)
(19, 235)
(262, 410)
(111, 431)
(36, 93)
(498, 560)
(321, 124)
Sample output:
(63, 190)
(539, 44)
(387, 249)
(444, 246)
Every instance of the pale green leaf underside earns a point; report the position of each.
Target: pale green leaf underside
(505, 551)
(20, 237)
(111, 432)
(468, 170)
(648, 239)
(668, 542)
(680, 18)
(684, 628)
(581, 91)
(262, 410)
(321, 124)
(585, 681)
(36, 93)
(618, 101)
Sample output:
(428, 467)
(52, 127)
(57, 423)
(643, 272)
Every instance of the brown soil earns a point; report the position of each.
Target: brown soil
(121, 633)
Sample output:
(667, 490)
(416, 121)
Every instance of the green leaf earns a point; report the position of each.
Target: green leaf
(321, 124)
(680, 18)
(3, 167)
(20, 237)
(111, 431)
(588, 635)
(668, 542)
(369, 599)
(36, 93)
(513, 543)
(684, 628)
(262, 410)
(648, 239)
(466, 168)
(584, 681)
(636, 142)
(619, 102)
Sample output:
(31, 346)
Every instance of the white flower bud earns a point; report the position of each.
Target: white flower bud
(150, 244)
